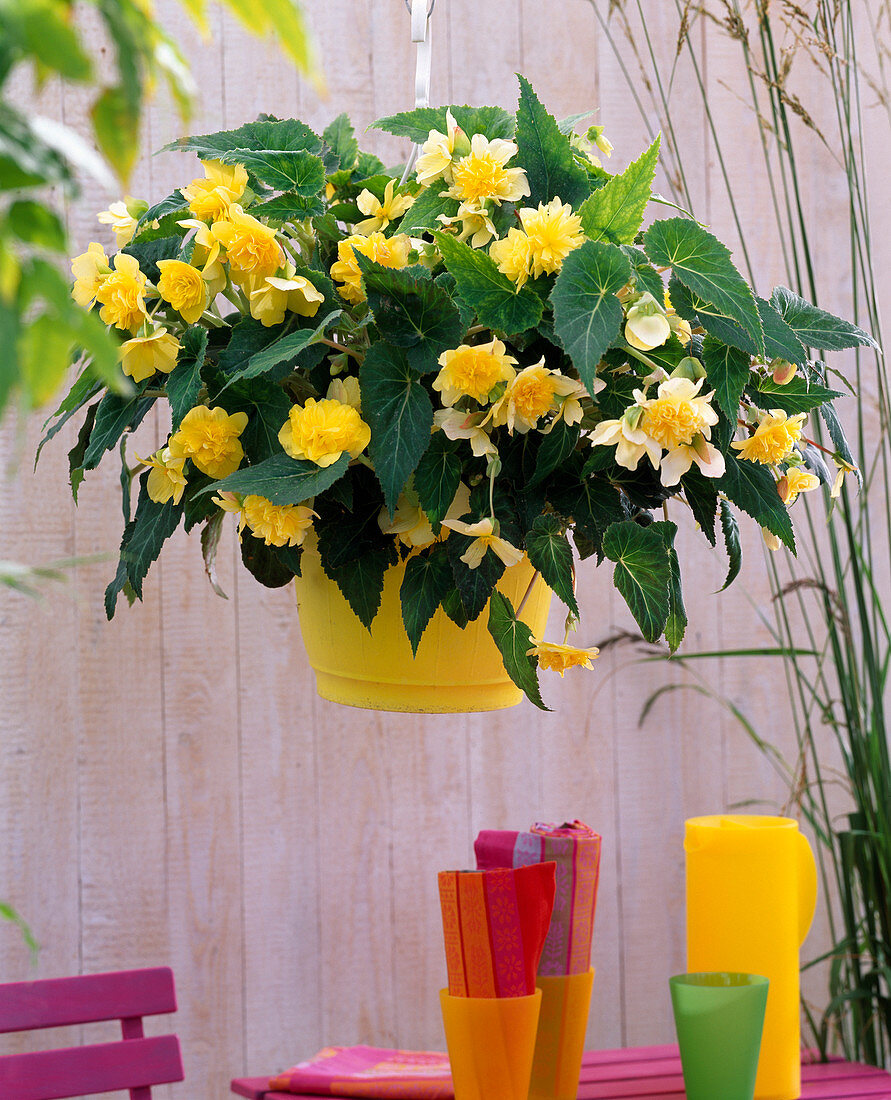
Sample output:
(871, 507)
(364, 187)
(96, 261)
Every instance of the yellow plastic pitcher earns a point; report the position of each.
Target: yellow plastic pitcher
(751, 893)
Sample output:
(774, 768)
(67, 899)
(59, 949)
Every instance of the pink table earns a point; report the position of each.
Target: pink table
(654, 1073)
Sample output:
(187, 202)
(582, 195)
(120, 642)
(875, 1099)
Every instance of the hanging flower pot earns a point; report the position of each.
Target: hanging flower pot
(431, 379)
(454, 669)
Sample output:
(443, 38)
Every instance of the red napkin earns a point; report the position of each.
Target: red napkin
(495, 923)
(370, 1071)
(575, 849)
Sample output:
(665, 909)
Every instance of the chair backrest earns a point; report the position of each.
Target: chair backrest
(134, 1063)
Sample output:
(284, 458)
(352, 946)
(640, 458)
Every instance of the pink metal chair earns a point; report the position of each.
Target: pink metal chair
(134, 1063)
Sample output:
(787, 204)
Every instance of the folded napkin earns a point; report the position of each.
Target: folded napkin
(575, 849)
(495, 923)
(370, 1071)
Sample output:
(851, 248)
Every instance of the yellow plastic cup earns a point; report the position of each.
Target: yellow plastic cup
(491, 1041)
(560, 1044)
(751, 894)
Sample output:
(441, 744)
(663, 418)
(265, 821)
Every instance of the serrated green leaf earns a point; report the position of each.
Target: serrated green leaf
(703, 264)
(115, 119)
(702, 496)
(555, 448)
(642, 574)
(362, 581)
(267, 133)
(289, 207)
(341, 139)
(166, 213)
(474, 585)
(546, 154)
(428, 577)
(148, 252)
(615, 212)
(151, 526)
(425, 210)
(645, 275)
(550, 553)
(114, 416)
(282, 351)
(437, 475)
(587, 313)
(400, 414)
(816, 328)
(184, 381)
(298, 170)
(281, 479)
(837, 435)
(728, 371)
(265, 563)
(36, 224)
(798, 395)
(495, 298)
(492, 122)
(751, 487)
(730, 529)
(514, 640)
(676, 624)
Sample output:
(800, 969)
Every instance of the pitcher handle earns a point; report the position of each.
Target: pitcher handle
(807, 887)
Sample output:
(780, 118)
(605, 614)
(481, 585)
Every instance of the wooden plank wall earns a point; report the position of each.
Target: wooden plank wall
(171, 788)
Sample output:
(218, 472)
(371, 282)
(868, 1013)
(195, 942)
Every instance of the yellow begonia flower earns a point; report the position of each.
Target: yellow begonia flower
(410, 523)
(166, 480)
(630, 442)
(771, 541)
(601, 140)
(386, 251)
(210, 438)
(782, 372)
(210, 198)
(122, 294)
(473, 371)
(274, 295)
(646, 325)
(321, 431)
(476, 223)
(380, 214)
(206, 256)
(678, 461)
(456, 424)
(438, 151)
(121, 221)
(569, 408)
(773, 440)
(555, 657)
(484, 539)
(553, 231)
(529, 396)
(89, 269)
(482, 173)
(277, 524)
(183, 286)
(141, 356)
(346, 391)
(796, 481)
(513, 256)
(252, 248)
(680, 420)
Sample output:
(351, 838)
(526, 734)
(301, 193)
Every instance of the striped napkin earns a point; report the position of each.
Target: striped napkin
(370, 1071)
(495, 923)
(575, 849)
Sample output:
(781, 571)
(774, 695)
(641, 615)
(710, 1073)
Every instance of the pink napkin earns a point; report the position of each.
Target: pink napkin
(370, 1071)
(575, 848)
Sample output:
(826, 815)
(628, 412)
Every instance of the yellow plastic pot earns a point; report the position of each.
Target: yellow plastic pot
(455, 670)
(751, 893)
(491, 1041)
(560, 1043)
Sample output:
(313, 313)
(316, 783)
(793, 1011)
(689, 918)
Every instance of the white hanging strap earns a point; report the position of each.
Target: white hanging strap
(421, 10)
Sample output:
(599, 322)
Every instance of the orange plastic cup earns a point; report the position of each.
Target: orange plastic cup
(562, 1024)
(491, 1041)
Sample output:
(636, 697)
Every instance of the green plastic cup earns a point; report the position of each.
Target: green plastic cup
(719, 1017)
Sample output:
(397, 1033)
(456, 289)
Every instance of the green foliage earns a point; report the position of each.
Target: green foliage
(642, 573)
(281, 479)
(283, 351)
(727, 369)
(615, 212)
(751, 487)
(514, 640)
(437, 475)
(492, 122)
(549, 551)
(184, 382)
(816, 328)
(546, 154)
(730, 530)
(424, 212)
(428, 578)
(144, 535)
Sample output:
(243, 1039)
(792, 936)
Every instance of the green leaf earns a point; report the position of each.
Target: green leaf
(428, 577)
(816, 328)
(145, 534)
(46, 34)
(615, 212)
(267, 406)
(399, 412)
(248, 336)
(492, 122)
(148, 252)
(115, 119)
(703, 264)
(644, 274)
(266, 133)
(676, 624)
(837, 435)
(728, 371)
(550, 553)
(166, 213)
(36, 224)
(282, 479)
(114, 416)
(702, 497)
(425, 210)
(495, 298)
(184, 381)
(289, 207)
(555, 448)
(587, 313)
(25, 159)
(546, 154)
(730, 528)
(84, 390)
(437, 475)
(642, 574)
(341, 140)
(282, 351)
(798, 395)
(298, 170)
(514, 640)
(474, 586)
(751, 487)
(362, 581)
(264, 563)
(77, 452)
(416, 315)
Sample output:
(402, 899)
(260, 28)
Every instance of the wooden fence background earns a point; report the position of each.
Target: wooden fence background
(171, 788)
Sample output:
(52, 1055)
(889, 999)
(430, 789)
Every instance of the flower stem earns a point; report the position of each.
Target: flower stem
(341, 348)
(528, 593)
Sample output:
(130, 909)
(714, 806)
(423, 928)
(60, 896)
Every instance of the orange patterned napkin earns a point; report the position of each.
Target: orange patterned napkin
(495, 924)
(575, 849)
(370, 1071)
